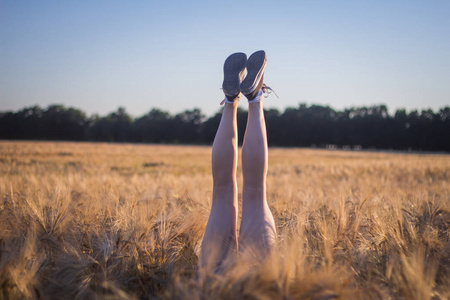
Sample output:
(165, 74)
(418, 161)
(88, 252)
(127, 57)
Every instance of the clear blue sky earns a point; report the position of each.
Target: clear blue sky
(99, 55)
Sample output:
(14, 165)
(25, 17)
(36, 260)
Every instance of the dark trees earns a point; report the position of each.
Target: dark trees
(303, 126)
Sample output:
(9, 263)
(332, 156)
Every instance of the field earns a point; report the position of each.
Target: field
(120, 221)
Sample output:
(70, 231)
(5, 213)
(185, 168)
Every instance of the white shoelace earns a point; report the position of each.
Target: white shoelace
(265, 90)
(263, 93)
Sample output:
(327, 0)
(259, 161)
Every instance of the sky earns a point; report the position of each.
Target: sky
(98, 55)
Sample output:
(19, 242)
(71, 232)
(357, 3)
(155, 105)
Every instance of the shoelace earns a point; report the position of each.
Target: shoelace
(267, 90)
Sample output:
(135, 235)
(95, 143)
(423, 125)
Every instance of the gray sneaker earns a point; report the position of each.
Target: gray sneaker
(233, 71)
(253, 82)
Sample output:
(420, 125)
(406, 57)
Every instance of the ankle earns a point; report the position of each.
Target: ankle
(258, 98)
(234, 100)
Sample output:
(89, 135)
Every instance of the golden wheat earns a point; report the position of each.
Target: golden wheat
(121, 221)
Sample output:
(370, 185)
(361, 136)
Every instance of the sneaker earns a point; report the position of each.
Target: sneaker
(233, 71)
(253, 82)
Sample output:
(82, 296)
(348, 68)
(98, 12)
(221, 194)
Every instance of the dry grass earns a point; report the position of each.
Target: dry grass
(108, 221)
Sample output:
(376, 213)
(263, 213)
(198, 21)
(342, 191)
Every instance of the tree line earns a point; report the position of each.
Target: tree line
(303, 126)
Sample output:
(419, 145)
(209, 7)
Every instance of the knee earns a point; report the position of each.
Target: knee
(225, 192)
(223, 180)
(254, 192)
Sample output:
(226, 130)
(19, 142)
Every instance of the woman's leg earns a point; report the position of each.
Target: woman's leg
(257, 231)
(220, 238)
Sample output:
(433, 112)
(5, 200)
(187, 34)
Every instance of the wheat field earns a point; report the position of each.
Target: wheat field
(122, 221)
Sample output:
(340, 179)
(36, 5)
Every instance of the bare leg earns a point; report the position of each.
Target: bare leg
(257, 231)
(220, 238)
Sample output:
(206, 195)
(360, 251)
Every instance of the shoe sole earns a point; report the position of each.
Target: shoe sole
(256, 65)
(233, 71)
